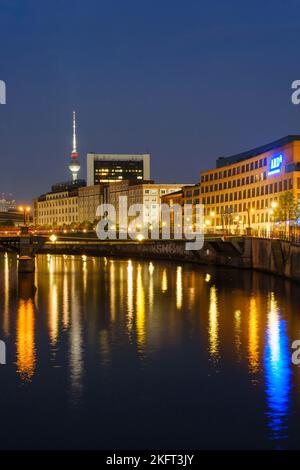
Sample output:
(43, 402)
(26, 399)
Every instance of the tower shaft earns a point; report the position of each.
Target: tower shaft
(74, 165)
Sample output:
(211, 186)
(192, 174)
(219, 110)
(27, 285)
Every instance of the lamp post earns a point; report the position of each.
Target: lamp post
(274, 206)
(25, 211)
(212, 214)
(249, 228)
(207, 223)
(237, 221)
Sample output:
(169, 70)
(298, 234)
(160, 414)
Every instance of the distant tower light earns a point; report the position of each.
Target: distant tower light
(74, 165)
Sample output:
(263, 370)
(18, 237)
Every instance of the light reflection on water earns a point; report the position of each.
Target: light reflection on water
(25, 340)
(277, 370)
(213, 328)
(86, 316)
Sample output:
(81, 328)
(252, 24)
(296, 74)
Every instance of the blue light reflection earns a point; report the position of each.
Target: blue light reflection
(277, 372)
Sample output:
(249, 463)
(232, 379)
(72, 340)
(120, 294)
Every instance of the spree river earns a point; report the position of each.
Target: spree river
(123, 354)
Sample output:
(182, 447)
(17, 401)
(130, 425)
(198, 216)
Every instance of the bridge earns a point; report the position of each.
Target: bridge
(275, 256)
(25, 245)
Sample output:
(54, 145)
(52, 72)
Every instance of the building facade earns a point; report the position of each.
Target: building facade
(172, 199)
(243, 190)
(89, 198)
(119, 189)
(58, 207)
(150, 195)
(146, 193)
(106, 168)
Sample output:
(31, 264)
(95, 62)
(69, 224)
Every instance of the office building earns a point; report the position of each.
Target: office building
(106, 168)
(243, 190)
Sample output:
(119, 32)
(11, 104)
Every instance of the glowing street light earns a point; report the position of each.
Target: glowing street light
(53, 238)
(212, 214)
(25, 211)
(207, 224)
(249, 219)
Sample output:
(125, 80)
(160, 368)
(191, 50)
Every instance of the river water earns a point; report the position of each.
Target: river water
(123, 354)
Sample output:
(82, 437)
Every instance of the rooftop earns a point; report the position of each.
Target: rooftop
(224, 161)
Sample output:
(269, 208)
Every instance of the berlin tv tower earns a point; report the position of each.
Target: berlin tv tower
(74, 165)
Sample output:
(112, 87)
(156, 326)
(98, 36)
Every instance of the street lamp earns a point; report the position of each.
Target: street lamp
(212, 214)
(249, 228)
(207, 223)
(237, 222)
(271, 212)
(25, 211)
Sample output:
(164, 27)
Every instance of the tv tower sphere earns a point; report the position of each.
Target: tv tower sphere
(74, 165)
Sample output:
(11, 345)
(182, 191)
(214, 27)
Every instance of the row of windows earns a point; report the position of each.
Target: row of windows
(190, 193)
(263, 204)
(247, 194)
(117, 170)
(58, 211)
(234, 171)
(63, 202)
(255, 219)
(46, 220)
(235, 183)
(191, 201)
(56, 196)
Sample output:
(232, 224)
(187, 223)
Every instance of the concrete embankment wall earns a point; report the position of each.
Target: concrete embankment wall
(276, 257)
(271, 256)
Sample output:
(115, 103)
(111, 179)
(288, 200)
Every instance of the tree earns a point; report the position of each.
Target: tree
(287, 210)
(7, 223)
(86, 225)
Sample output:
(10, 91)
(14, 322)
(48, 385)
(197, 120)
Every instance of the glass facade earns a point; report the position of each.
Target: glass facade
(106, 171)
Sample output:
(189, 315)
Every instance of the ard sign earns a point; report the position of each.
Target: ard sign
(275, 164)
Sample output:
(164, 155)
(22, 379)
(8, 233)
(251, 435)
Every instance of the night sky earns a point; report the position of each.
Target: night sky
(187, 81)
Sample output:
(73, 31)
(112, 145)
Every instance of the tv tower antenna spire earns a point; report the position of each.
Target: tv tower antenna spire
(74, 165)
(74, 151)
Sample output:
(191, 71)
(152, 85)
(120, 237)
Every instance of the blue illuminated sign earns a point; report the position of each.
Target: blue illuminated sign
(276, 164)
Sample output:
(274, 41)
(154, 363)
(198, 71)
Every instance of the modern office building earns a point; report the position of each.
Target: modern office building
(106, 168)
(243, 190)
